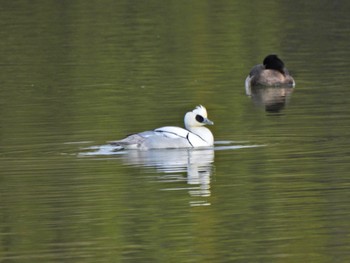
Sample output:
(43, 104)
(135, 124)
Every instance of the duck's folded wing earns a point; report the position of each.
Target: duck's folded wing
(172, 132)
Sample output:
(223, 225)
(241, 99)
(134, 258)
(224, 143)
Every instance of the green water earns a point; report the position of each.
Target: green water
(75, 74)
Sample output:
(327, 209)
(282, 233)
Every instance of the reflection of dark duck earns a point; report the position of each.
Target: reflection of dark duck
(272, 98)
(271, 73)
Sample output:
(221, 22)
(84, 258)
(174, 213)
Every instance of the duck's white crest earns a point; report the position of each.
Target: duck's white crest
(194, 135)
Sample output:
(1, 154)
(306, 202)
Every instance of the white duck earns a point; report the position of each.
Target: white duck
(195, 134)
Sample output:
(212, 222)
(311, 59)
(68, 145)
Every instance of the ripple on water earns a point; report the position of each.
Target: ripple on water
(219, 146)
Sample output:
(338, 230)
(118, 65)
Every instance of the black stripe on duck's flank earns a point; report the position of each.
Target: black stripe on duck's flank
(188, 139)
(165, 132)
(199, 118)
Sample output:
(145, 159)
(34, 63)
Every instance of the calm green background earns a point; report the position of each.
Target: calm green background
(75, 74)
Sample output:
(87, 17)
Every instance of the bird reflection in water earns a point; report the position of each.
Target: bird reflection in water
(273, 99)
(174, 163)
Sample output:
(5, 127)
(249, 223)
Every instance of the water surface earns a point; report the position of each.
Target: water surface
(75, 75)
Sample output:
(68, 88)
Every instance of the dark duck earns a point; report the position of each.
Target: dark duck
(271, 73)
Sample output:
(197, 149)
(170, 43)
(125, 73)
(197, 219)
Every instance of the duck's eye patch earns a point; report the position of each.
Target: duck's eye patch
(199, 118)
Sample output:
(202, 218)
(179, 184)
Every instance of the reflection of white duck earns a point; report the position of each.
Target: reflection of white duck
(172, 161)
(195, 135)
(196, 163)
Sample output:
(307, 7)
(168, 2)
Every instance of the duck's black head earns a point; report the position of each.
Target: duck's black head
(273, 62)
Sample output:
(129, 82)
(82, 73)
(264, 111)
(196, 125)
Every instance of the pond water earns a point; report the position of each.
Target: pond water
(77, 74)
